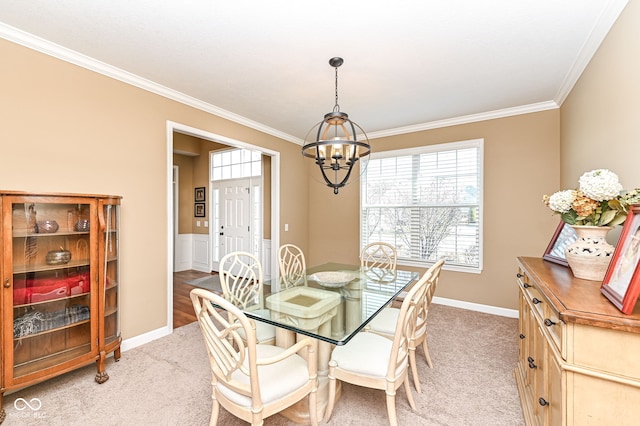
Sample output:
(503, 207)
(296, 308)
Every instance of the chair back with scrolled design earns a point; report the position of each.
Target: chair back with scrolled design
(241, 279)
(293, 268)
(379, 255)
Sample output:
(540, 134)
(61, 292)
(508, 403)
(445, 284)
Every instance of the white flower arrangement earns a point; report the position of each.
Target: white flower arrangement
(600, 185)
(597, 202)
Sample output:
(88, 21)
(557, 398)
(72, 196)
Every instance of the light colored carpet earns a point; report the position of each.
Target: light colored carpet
(167, 382)
(210, 282)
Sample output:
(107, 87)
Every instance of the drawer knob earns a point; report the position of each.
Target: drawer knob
(7, 283)
(519, 275)
(536, 301)
(531, 363)
(548, 322)
(525, 285)
(542, 401)
(522, 336)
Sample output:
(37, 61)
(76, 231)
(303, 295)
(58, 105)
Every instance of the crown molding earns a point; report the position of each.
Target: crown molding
(465, 119)
(610, 13)
(48, 48)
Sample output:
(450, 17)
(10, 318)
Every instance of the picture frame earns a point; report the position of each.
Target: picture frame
(200, 210)
(200, 194)
(562, 237)
(621, 283)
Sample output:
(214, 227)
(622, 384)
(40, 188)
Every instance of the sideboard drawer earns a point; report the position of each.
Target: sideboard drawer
(556, 329)
(546, 315)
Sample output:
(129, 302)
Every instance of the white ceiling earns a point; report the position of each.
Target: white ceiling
(409, 65)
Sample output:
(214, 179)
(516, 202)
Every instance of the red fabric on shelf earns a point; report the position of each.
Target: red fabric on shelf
(41, 289)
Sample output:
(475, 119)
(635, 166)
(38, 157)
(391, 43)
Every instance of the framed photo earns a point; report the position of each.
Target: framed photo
(200, 194)
(562, 237)
(621, 283)
(200, 210)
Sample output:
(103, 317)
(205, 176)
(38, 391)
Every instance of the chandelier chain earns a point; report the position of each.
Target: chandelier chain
(336, 107)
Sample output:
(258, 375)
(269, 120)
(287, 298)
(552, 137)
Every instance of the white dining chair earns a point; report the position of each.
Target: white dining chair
(373, 361)
(293, 267)
(241, 279)
(379, 255)
(384, 323)
(250, 380)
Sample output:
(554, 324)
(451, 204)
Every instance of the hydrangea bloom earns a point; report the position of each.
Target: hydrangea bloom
(600, 185)
(561, 201)
(598, 202)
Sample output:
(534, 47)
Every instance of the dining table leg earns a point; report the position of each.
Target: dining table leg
(299, 412)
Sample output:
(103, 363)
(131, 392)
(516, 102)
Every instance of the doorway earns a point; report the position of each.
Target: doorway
(274, 180)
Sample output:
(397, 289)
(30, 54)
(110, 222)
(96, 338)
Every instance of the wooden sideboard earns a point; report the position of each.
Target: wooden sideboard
(579, 361)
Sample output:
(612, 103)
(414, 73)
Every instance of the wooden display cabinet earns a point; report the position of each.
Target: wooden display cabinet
(60, 285)
(577, 360)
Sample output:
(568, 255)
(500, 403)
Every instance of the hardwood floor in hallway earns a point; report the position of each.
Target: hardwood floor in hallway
(182, 308)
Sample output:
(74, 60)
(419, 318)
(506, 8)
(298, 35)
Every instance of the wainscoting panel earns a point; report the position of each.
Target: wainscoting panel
(201, 253)
(182, 252)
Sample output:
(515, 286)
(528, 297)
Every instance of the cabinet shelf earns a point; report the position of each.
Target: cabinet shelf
(44, 267)
(52, 330)
(57, 300)
(52, 360)
(110, 311)
(22, 233)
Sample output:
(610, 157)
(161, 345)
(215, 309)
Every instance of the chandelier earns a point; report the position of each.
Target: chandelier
(336, 148)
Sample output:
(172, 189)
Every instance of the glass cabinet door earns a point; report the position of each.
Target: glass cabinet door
(109, 211)
(50, 261)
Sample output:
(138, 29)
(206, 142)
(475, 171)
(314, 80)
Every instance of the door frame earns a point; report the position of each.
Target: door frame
(172, 127)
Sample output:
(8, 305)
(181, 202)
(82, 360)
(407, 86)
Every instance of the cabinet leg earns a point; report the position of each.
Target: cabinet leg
(101, 375)
(116, 354)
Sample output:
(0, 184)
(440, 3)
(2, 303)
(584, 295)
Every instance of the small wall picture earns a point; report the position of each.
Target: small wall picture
(200, 194)
(200, 210)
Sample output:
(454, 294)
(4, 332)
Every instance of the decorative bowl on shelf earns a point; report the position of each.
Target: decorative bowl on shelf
(58, 257)
(81, 226)
(333, 279)
(46, 226)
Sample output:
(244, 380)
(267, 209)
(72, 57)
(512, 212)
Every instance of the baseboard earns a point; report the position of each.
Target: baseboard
(145, 338)
(487, 309)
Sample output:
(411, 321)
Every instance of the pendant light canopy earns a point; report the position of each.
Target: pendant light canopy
(336, 148)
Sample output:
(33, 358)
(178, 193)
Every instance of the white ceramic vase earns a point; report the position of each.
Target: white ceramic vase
(589, 256)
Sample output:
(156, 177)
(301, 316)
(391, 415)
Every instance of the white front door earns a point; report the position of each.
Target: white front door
(235, 216)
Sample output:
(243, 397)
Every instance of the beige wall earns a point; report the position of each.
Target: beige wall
(67, 129)
(600, 117)
(521, 163)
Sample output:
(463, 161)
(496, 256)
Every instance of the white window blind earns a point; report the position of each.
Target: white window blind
(427, 202)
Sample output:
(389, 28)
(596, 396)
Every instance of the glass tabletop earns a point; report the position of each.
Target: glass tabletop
(334, 302)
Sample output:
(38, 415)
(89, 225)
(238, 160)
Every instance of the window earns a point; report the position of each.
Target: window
(236, 163)
(427, 202)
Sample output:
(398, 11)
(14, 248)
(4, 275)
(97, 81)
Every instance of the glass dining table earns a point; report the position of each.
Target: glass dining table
(344, 296)
(332, 304)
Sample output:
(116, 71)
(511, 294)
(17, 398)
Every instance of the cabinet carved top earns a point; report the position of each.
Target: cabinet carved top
(56, 194)
(576, 300)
